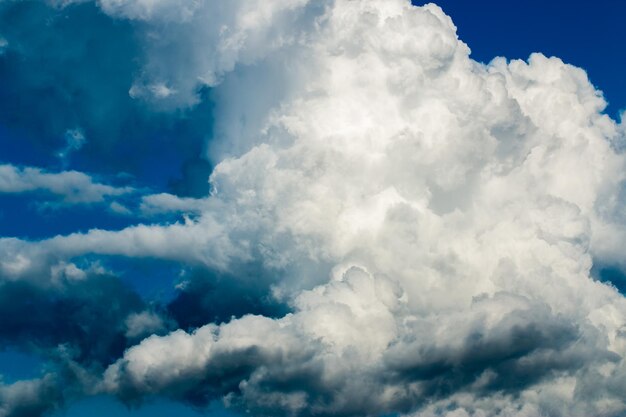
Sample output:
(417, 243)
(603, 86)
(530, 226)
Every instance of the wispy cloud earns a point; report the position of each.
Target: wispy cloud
(72, 187)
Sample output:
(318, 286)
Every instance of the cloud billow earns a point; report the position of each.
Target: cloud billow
(429, 222)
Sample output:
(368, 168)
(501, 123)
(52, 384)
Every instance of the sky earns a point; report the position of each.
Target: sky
(297, 207)
(576, 31)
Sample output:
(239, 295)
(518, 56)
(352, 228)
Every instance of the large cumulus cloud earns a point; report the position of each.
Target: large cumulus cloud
(431, 222)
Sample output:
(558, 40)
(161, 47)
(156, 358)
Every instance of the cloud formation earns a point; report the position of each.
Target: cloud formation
(72, 186)
(430, 222)
(29, 398)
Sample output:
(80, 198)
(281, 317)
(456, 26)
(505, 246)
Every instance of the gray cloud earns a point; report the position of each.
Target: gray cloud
(30, 398)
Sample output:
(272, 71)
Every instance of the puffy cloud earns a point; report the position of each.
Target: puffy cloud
(480, 193)
(431, 221)
(71, 186)
(352, 346)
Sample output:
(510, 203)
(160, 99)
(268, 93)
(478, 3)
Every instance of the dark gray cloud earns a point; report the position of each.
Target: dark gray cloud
(523, 348)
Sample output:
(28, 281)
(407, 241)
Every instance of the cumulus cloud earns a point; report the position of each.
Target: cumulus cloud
(71, 186)
(431, 222)
(353, 347)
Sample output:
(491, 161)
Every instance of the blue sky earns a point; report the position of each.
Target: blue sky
(76, 97)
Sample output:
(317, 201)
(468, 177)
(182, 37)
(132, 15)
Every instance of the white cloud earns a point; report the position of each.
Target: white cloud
(139, 325)
(74, 141)
(72, 186)
(432, 220)
(152, 9)
(166, 203)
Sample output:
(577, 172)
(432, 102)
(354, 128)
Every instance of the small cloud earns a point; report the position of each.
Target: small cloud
(157, 91)
(118, 208)
(72, 186)
(67, 271)
(161, 90)
(74, 141)
(168, 203)
(139, 325)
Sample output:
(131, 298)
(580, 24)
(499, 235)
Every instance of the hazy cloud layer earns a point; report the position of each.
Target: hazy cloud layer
(430, 222)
